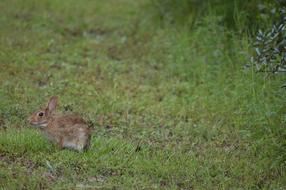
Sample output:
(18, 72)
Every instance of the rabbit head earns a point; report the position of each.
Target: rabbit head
(42, 117)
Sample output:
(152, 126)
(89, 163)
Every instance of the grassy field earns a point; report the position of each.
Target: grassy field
(170, 108)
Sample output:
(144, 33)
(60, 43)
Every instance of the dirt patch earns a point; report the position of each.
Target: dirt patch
(30, 166)
(2, 123)
(23, 16)
(79, 32)
(27, 163)
(114, 53)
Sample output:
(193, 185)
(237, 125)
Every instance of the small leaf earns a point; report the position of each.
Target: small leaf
(50, 167)
(257, 51)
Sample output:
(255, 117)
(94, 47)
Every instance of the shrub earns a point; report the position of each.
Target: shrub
(270, 48)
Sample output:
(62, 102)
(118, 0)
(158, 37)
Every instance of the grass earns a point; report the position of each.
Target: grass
(171, 109)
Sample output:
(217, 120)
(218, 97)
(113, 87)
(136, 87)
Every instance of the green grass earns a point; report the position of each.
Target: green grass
(171, 109)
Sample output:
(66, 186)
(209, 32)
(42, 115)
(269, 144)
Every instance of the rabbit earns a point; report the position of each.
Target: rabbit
(68, 131)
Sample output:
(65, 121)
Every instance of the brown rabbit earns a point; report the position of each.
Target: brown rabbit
(67, 131)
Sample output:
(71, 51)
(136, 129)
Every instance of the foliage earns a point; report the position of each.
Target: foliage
(270, 48)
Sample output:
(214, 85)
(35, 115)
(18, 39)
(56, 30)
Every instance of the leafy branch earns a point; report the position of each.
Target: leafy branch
(270, 48)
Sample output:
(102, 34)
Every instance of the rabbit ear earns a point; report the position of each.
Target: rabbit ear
(52, 105)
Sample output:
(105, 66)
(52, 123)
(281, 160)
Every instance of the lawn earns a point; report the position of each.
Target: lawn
(170, 108)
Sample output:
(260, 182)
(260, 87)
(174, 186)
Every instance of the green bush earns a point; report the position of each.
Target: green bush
(270, 48)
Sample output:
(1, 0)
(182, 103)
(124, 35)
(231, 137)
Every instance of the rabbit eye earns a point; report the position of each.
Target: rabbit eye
(41, 114)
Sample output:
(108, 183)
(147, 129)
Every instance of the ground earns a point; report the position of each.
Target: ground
(169, 109)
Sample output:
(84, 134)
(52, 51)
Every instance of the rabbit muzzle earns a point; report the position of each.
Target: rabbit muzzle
(37, 123)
